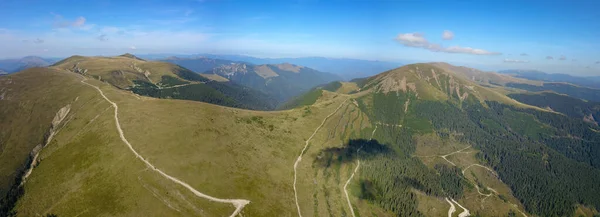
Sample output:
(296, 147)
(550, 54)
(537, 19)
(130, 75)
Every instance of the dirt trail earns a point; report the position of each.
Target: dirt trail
(179, 85)
(452, 208)
(456, 152)
(465, 212)
(352, 176)
(479, 165)
(237, 203)
(302, 153)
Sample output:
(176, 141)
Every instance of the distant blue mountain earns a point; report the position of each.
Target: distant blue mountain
(346, 68)
(592, 81)
(15, 65)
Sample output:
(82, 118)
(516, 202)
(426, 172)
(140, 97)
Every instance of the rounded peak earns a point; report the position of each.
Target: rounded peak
(128, 55)
(288, 67)
(70, 59)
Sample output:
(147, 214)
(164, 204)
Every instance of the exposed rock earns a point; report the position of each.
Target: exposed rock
(590, 119)
(58, 118)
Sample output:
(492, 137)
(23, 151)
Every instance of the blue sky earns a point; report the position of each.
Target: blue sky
(550, 35)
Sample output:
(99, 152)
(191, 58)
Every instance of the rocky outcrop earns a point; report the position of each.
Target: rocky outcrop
(230, 70)
(78, 70)
(590, 119)
(146, 73)
(58, 118)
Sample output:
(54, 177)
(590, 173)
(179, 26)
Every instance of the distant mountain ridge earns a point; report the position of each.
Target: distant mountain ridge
(345, 67)
(199, 64)
(282, 81)
(166, 80)
(589, 81)
(15, 65)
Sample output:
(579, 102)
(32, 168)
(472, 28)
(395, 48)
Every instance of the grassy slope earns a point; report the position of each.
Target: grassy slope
(130, 73)
(30, 100)
(220, 151)
(223, 152)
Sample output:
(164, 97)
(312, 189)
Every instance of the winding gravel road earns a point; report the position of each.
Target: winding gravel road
(352, 176)
(465, 212)
(302, 153)
(452, 208)
(237, 203)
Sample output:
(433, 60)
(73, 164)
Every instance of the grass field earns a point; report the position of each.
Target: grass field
(223, 152)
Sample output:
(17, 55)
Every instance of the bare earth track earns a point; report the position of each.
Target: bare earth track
(466, 212)
(237, 203)
(302, 153)
(352, 176)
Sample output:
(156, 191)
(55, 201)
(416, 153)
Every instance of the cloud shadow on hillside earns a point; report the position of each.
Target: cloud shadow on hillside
(348, 153)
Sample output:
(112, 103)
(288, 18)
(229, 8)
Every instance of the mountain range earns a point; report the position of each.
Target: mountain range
(345, 67)
(590, 81)
(15, 65)
(166, 80)
(104, 136)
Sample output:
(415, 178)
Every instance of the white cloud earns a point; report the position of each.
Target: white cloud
(412, 39)
(447, 35)
(468, 50)
(419, 41)
(38, 41)
(515, 61)
(524, 54)
(549, 58)
(132, 48)
(562, 58)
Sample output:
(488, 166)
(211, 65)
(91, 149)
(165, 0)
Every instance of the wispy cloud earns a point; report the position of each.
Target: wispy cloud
(515, 61)
(36, 41)
(418, 40)
(79, 22)
(102, 37)
(111, 30)
(597, 62)
(562, 58)
(181, 20)
(188, 12)
(549, 58)
(61, 22)
(524, 54)
(447, 35)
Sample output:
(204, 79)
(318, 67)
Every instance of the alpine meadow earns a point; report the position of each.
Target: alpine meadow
(299, 108)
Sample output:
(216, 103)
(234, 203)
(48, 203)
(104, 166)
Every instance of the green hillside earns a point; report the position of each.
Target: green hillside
(166, 80)
(432, 118)
(413, 141)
